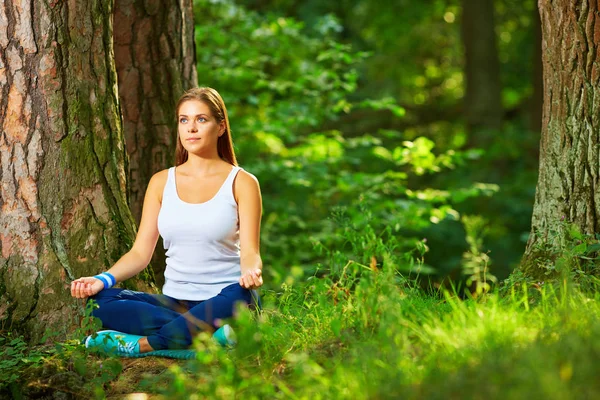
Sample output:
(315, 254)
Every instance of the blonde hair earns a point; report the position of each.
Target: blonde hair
(215, 103)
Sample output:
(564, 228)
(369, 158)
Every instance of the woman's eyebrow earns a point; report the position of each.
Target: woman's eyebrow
(197, 115)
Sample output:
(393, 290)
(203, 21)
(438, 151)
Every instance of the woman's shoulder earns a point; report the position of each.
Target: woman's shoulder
(245, 178)
(245, 186)
(160, 176)
(157, 182)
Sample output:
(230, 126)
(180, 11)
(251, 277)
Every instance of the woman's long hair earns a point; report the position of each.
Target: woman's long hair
(214, 101)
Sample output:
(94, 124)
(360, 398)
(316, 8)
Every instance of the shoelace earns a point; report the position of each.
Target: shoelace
(127, 347)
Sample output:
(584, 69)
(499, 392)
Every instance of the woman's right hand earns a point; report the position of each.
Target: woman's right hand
(86, 287)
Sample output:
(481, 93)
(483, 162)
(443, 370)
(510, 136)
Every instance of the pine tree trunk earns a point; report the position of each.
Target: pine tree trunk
(63, 200)
(155, 59)
(483, 105)
(568, 185)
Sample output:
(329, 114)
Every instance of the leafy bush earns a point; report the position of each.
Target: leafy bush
(31, 371)
(281, 82)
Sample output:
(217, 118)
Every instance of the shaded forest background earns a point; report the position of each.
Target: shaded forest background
(412, 129)
(420, 120)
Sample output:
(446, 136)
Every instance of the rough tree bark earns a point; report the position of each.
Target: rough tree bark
(155, 59)
(63, 200)
(568, 185)
(483, 103)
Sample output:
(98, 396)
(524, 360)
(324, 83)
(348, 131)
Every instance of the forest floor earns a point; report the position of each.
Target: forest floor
(134, 371)
(358, 336)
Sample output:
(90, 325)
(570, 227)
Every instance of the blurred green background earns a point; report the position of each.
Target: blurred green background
(420, 120)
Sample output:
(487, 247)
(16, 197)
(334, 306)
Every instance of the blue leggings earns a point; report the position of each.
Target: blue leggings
(167, 322)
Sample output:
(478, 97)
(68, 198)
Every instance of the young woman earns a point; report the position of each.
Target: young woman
(208, 212)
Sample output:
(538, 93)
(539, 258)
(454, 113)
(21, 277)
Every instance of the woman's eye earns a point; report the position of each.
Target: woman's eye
(202, 119)
(183, 120)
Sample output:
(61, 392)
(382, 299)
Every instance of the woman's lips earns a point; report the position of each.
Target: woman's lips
(192, 139)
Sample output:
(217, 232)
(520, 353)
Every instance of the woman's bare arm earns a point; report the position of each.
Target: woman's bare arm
(248, 197)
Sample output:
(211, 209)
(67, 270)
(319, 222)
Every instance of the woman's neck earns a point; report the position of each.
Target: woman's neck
(201, 166)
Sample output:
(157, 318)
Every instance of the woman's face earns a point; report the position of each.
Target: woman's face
(198, 130)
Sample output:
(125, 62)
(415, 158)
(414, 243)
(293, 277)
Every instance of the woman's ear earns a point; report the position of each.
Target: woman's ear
(222, 127)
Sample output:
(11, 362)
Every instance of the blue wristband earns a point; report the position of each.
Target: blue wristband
(111, 277)
(107, 279)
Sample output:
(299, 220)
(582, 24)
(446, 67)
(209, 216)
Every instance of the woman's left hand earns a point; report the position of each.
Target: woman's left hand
(251, 279)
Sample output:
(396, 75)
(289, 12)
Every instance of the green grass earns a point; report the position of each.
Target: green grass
(372, 335)
(385, 340)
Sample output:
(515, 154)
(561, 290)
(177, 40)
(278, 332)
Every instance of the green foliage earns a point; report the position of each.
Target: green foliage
(416, 62)
(416, 46)
(319, 185)
(361, 328)
(563, 252)
(282, 81)
(475, 262)
(367, 332)
(307, 113)
(13, 358)
(277, 80)
(30, 370)
(371, 334)
(515, 25)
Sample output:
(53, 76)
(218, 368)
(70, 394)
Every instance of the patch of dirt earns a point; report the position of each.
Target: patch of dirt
(127, 386)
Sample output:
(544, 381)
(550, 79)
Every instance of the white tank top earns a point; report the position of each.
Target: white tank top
(201, 242)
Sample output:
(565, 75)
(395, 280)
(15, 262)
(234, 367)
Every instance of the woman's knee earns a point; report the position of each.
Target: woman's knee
(237, 293)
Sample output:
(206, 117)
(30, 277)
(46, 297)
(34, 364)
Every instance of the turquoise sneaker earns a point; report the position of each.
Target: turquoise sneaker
(115, 342)
(126, 345)
(225, 336)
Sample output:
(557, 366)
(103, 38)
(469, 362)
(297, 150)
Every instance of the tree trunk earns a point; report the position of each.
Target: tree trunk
(64, 209)
(155, 59)
(568, 184)
(483, 103)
